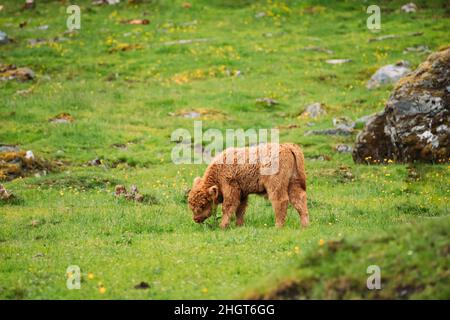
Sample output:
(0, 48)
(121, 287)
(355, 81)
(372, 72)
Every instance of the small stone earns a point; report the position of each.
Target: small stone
(317, 49)
(330, 132)
(338, 61)
(102, 2)
(120, 190)
(268, 102)
(4, 38)
(63, 117)
(386, 37)
(95, 162)
(344, 123)
(191, 114)
(417, 49)
(4, 194)
(184, 41)
(314, 110)
(29, 155)
(9, 148)
(343, 148)
(409, 7)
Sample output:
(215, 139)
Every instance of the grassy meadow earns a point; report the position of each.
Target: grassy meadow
(127, 88)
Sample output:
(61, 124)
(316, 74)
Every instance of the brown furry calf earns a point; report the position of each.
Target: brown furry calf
(229, 181)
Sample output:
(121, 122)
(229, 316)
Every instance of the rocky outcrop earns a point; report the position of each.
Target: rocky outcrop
(415, 124)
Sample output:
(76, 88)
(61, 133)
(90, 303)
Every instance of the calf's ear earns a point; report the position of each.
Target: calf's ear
(214, 192)
(196, 181)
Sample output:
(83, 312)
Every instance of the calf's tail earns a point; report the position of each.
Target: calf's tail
(300, 163)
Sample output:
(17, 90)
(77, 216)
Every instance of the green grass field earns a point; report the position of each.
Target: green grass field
(125, 105)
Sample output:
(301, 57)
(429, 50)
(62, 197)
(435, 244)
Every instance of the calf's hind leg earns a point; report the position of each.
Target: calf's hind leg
(240, 211)
(278, 195)
(297, 197)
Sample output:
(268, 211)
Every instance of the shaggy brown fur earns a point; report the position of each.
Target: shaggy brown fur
(230, 183)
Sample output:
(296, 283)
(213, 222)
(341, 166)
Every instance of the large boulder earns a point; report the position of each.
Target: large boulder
(415, 124)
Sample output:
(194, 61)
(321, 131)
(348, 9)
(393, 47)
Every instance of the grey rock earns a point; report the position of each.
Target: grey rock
(390, 73)
(4, 38)
(338, 61)
(184, 41)
(191, 115)
(8, 148)
(268, 102)
(40, 41)
(101, 2)
(317, 49)
(409, 7)
(343, 148)
(343, 123)
(394, 36)
(314, 110)
(343, 126)
(95, 162)
(341, 131)
(386, 37)
(60, 120)
(417, 49)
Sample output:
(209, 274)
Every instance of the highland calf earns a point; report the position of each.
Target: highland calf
(229, 180)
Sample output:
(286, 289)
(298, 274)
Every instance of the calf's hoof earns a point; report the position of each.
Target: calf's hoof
(223, 226)
(305, 222)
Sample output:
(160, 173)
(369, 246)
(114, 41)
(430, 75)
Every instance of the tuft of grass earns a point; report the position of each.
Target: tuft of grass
(413, 264)
(126, 104)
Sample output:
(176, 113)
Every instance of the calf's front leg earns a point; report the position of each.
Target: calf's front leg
(231, 202)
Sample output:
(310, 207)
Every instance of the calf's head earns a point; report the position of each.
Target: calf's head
(201, 200)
